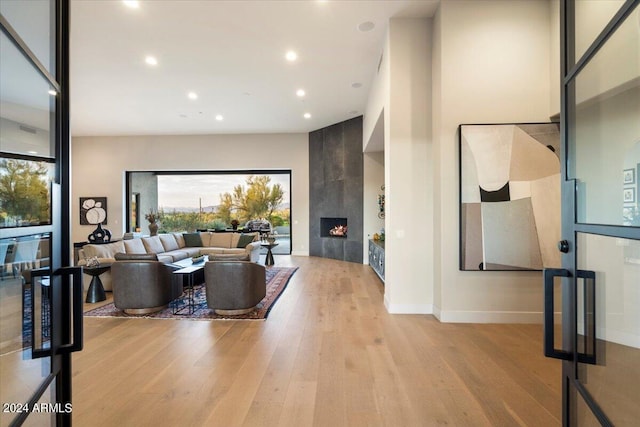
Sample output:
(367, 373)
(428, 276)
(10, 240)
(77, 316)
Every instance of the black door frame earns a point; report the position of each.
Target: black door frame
(66, 282)
(570, 68)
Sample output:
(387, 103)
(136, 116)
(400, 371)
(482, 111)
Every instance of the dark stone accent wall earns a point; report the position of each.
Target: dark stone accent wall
(336, 188)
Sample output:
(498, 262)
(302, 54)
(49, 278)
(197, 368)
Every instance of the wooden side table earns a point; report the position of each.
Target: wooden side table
(96, 288)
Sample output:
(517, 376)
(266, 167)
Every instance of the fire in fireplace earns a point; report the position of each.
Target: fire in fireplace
(338, 231)
(333, 227)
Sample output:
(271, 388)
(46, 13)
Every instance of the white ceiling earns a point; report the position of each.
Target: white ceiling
(231, 53)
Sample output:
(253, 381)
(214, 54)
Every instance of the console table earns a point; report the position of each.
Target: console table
(376, 257)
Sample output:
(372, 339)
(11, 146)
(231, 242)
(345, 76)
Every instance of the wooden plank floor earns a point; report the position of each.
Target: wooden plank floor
(328, 355)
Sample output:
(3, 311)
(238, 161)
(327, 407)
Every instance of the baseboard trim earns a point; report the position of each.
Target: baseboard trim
(488, 316)
(408, 308)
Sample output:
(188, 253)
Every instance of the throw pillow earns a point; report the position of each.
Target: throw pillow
(192, 240)
(245, 239)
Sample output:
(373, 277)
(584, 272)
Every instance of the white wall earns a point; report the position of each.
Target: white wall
(99, 165)
(554, 57)
(400, 103)
(374, 111)
(436, 103)
(408, 167)
(491, 65)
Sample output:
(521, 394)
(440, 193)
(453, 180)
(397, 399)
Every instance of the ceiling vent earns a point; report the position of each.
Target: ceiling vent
(28, 129)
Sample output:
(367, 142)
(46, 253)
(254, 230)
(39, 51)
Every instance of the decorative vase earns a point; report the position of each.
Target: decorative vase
(99, 235)
(153, 228)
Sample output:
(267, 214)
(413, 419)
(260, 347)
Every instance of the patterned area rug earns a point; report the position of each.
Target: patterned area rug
(277, 280)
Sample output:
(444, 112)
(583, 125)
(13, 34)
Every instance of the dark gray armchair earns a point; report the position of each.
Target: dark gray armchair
(234, 287)
(142, 284)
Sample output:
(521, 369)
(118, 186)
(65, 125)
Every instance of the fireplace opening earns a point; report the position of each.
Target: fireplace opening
(333, 227)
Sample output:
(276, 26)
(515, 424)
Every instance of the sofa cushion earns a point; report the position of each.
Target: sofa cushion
(169, 242)
(178, 254)
(134, 246)
(220, 240)
(229, 257)
(211, 250)
(191, 252)
(103, 251)
(234, 251)
(179, 239)
(153, 245)
(205, 236)
(135, 257)
(192, 240)
(244, 240)
(165, 259)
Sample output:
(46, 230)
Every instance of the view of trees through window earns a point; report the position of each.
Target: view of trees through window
(213, 201)
(24, 193)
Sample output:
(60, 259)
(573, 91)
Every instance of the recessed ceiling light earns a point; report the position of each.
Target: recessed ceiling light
(133, 4)
(219, 117)
(192, 95)
(366, 26)
(300, 93)
(307, 115)
(32, 152)
(52, 92)
(356, 85)
(151, 60)
(291, 56)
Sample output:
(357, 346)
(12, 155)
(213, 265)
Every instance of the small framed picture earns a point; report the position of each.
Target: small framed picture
(629, 176)
(629, 195)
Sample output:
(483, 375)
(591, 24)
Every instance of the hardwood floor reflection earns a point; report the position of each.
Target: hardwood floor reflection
(328, 355)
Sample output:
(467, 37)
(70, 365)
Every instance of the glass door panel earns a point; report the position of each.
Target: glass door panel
(604, 140)
(614, 380)
(46, 410)
(25, 319)
(585, 417)
(34, 21)
(591, 18)
(27, 109)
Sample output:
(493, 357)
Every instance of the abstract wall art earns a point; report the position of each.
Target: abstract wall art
(93, 210)
(509, 196)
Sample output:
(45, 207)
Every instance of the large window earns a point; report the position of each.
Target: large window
(245, 201)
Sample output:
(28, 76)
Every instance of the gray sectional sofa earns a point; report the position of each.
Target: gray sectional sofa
(172, 247)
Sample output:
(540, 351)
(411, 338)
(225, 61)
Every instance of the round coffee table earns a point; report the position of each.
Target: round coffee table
(96, 289)
(269, 258)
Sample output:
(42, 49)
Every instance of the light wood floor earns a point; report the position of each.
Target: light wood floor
(328, 355)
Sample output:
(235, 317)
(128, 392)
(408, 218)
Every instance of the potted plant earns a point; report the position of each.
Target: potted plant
(152, 217)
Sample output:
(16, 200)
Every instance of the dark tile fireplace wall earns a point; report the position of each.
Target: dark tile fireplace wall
(336, 188)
